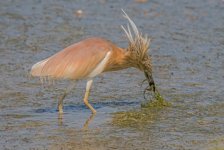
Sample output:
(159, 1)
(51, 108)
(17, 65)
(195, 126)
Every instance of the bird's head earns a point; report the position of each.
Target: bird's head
(138, 51)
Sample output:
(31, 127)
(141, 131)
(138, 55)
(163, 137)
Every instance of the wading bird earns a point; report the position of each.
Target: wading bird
(93, 56)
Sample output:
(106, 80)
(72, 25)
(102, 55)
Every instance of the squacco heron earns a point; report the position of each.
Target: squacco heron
(93, 56)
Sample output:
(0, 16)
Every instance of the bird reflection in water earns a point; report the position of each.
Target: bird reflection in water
(85, 125)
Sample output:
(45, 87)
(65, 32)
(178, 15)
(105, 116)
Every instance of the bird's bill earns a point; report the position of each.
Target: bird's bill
(151, 82)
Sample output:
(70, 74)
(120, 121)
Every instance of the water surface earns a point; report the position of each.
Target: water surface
(187, 50)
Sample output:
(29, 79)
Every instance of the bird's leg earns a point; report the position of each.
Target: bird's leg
(88, 86)
(60, 101)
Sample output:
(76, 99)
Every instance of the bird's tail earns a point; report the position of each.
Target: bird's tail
(37, 68)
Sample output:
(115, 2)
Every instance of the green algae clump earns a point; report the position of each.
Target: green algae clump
(157, 101)
(135, 118)
(139, 118)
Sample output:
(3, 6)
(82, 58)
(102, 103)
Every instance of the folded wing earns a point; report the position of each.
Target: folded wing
(74, 62)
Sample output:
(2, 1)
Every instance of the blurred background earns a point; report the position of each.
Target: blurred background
(187, 49)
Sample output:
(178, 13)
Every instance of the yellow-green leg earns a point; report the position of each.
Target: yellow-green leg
(88, 86)
(60, 101)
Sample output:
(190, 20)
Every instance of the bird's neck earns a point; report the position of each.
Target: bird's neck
(119, 60)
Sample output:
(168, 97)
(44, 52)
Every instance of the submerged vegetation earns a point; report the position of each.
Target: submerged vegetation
(148, 113)
(134, 118)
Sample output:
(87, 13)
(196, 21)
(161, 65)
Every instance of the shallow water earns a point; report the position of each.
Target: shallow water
(187, 50)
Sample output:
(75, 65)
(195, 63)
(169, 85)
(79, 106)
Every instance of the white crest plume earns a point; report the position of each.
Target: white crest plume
(138, 43)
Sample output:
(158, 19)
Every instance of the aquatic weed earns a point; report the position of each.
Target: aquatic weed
(157, 101)
(138, 119)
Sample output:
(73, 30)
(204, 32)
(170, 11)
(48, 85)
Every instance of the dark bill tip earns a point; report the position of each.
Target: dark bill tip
(153, 86)
(151, 82)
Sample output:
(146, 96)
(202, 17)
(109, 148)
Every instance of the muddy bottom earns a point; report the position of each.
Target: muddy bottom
(188, 67)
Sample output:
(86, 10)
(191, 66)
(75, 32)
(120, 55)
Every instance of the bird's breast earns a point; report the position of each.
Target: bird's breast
(100, 67)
